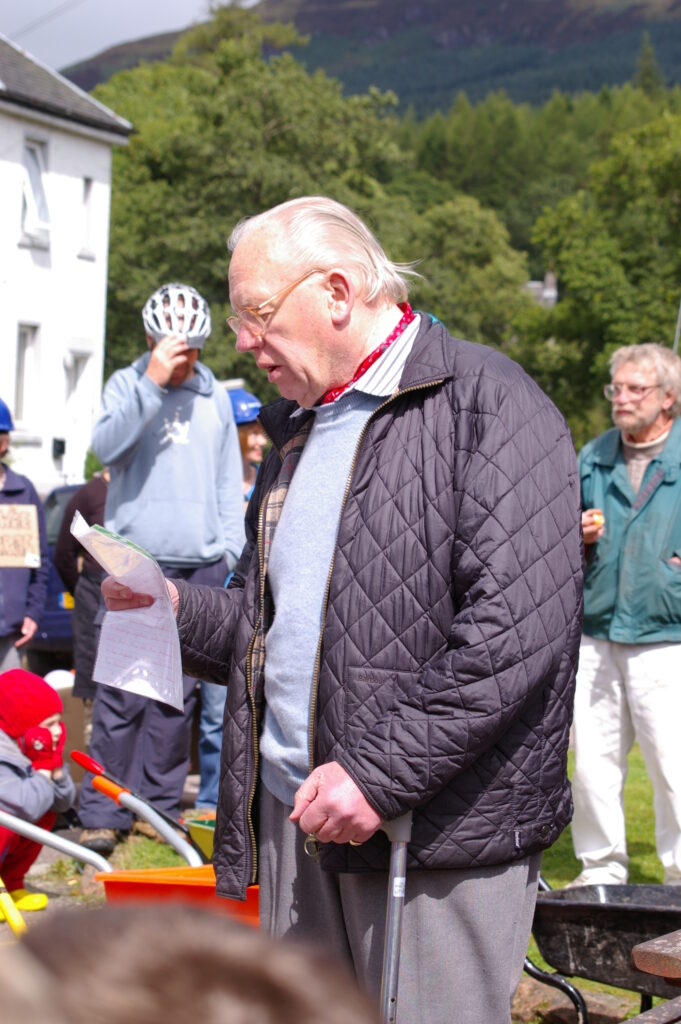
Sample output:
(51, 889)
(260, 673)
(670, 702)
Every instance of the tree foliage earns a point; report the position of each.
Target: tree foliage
(223, 132)
(615, 250)
(482, 196)
(518, 159)
(648, 75)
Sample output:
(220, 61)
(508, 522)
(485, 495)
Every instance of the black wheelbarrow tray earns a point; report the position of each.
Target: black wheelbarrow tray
(590, 931)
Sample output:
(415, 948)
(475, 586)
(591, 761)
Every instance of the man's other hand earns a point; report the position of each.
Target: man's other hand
(119, 598)
(330, 805)
(28, 628)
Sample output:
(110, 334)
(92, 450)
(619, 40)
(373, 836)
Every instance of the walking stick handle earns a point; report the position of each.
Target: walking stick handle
(398, 829)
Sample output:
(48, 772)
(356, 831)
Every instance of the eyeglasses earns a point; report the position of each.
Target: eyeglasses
(254, 320)
(635, 391)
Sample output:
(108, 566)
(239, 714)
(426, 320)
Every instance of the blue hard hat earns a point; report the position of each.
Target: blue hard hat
(245, 405)
(5, 418)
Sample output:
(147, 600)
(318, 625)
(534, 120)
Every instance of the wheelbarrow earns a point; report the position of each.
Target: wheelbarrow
(162, 823)
(165, 825)
(589, 932)
(45, 838)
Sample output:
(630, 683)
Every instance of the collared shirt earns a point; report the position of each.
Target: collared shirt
(383, 377)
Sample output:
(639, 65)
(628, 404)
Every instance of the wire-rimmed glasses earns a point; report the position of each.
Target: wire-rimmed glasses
(252, 317)
(635, 391)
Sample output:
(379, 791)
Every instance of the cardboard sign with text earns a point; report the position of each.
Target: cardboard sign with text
(19, 539)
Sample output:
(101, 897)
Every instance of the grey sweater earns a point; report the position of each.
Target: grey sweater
(298, 570)
(26, 793)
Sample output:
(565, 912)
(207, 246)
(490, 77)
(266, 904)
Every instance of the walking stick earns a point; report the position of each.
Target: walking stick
(398, 832)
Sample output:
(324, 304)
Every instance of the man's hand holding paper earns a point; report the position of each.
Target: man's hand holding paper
(138, 651)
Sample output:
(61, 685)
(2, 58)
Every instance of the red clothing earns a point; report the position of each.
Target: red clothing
(17, 853)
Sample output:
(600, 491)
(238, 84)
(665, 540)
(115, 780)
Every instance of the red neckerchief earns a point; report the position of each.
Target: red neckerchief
(407, 317)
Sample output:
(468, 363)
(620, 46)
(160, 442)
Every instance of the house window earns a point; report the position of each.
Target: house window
(26, 392)
(86, 248)
(35, 215)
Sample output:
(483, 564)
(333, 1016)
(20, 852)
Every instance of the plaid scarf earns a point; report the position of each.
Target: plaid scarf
(272, 505)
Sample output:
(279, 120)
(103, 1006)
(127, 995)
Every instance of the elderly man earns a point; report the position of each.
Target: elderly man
(628, 685)
(403, 624)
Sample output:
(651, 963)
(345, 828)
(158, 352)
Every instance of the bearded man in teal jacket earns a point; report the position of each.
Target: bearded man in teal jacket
(627, 685)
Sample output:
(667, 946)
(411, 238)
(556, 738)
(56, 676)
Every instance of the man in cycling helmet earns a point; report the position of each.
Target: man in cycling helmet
(23, 579)
(167, 432)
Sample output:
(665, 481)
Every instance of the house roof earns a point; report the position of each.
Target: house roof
(28, 83)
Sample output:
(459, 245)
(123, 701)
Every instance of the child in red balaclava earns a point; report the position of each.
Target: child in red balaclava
(34, 782)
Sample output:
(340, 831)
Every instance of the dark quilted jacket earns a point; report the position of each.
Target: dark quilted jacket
(452, 625)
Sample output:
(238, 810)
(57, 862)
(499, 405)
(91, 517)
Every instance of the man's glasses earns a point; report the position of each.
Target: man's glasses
(635, 391)
(252, 317)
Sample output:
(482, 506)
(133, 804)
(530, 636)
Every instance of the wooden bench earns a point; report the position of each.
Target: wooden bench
(661, 957)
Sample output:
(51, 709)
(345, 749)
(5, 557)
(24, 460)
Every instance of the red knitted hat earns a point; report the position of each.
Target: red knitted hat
(25, 700)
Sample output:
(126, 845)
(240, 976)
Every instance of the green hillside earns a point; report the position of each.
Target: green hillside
(528, 48)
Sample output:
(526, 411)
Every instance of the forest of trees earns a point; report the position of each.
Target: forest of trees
(484, 196)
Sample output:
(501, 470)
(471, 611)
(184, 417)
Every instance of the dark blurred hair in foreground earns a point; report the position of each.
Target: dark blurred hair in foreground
(168, 964)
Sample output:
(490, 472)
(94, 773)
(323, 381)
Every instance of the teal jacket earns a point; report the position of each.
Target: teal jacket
(632, 593)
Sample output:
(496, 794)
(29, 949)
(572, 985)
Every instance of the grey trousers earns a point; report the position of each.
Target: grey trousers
(464, 937)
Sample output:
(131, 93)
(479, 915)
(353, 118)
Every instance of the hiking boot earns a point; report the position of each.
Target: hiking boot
(145, 828)
(99, 840)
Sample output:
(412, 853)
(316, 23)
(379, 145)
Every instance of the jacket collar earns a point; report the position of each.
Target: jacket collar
(14, 483)
(608, 451)
(431, 360)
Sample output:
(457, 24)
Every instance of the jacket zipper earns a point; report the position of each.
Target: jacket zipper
(249, 687)
(315, 677)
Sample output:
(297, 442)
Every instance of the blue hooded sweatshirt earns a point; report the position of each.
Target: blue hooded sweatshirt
(175, 463)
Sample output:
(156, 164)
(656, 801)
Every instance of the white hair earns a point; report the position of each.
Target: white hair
(667, 366)
(322, 233)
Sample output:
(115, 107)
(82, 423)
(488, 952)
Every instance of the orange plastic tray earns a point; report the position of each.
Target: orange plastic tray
(190, 885)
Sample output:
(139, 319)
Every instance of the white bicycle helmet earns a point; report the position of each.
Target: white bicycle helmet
(177, 309)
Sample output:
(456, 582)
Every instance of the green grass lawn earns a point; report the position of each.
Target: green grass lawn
(559, 864)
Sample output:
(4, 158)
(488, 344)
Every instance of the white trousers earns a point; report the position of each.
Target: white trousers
(625, 692)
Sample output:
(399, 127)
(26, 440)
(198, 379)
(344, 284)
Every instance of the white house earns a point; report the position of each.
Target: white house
(55, 190)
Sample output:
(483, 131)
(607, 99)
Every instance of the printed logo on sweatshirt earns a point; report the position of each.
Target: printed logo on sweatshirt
(176, 432)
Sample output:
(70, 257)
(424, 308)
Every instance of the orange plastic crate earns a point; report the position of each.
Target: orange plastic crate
(190, 885)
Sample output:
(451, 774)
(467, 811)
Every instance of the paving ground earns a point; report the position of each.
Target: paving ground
(536, 1003)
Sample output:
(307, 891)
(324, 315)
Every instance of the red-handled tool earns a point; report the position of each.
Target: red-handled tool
(91, 765)
(121, 795)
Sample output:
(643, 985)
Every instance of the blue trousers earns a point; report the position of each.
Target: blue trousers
(146, 743)
(210, 742)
